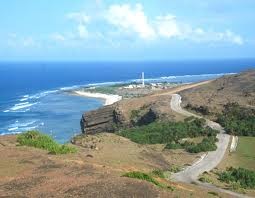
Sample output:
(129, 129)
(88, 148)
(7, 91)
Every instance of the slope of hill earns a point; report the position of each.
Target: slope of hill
(239, 88)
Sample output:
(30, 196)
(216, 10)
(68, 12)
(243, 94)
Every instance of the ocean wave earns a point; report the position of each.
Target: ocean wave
(42, 94)
(22, 106)
(13, 129)
(23, 126)
(157, 79)
(70, 88)
(106, 83)
(196, 75)
(24, 98)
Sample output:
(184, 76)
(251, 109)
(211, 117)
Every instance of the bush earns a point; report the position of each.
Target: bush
(238, 120)
(166, 132)
(174, 146)
(199, 109)
(207, 144)
(175, 169)
(42, 141)
(158, 173)
(205, 179)
(142, 176)
(239, 177)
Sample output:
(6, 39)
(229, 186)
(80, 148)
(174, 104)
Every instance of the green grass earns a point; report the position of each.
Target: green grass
(148, 178)
(142, 176)
(238, 177)
(45, 142)
(105, 89)
(245, 153)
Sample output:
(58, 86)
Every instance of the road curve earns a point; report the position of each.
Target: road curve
(208, 161)
(212, 159)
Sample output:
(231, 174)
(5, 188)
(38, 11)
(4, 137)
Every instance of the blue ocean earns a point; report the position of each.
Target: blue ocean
(33, 94)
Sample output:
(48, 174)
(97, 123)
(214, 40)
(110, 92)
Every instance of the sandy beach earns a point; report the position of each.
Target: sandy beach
(109, 99)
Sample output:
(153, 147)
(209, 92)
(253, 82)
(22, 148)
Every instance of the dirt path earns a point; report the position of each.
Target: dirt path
(210, 160)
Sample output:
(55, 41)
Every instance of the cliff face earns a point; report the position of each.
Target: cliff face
(104, 119)
(127, 113)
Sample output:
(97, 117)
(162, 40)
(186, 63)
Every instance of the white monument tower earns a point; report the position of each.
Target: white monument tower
(143, 84)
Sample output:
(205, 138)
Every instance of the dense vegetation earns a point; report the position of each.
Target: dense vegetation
(207, 144)
(238, 120)
(171, 133)
(199, 109)
(42, 141)
(244, 177)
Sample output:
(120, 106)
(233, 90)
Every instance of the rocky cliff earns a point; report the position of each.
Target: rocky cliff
(127, 113)
(104, 119)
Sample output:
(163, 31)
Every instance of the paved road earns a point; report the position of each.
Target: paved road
(212, 159)
(208, 161)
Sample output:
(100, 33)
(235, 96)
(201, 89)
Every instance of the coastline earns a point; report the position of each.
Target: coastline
(108, 98)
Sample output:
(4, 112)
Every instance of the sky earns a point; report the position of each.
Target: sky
(100, 30)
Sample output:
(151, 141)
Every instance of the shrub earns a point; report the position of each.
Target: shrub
(239, 177)
(238, 120)
(158, 173)
(135, 114)
(205, 179)
(175, 169)
(166, 132)
(42, 141)
(199, 109)
(142, 176)
(207, 144)
(173, 146)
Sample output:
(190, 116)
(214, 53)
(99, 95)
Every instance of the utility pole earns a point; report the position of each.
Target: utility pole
(143, 84)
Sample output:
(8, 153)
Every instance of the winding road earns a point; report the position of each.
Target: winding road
(208, 161)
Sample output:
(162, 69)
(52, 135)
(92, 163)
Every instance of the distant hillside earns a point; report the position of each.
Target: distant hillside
(238, 88)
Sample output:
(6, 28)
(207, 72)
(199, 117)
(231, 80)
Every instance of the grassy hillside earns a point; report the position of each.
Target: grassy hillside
(239, 88)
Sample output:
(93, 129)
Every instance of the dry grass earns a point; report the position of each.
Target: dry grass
(31, 172)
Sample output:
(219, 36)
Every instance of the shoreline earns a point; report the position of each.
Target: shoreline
(108, 98)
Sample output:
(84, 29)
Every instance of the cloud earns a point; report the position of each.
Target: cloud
(122, 23)
(200, 35)
(16, 41)
(82, 31)
(167, 26)
(82, 19)
(58, 37)
(130, 19)
(79, 17)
